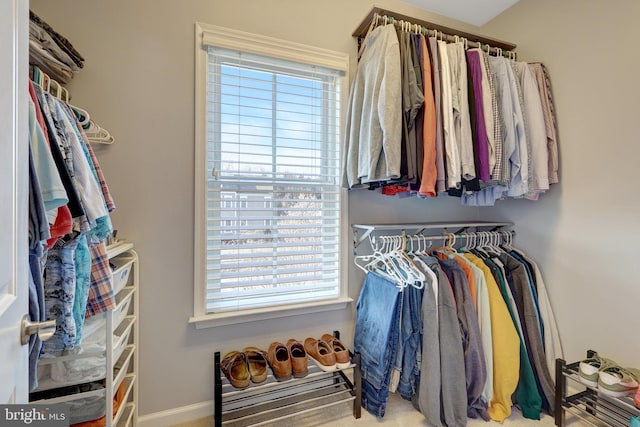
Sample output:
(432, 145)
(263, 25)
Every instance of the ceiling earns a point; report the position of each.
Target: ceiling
(476, 12)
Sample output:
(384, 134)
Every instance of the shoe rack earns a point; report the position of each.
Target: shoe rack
(591, 406)
(273, 401)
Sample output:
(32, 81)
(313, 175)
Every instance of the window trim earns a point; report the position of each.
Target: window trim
(205, 35)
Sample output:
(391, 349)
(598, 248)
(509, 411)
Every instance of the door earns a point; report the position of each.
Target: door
(13, 198)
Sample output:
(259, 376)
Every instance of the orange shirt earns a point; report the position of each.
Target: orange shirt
(429, 170)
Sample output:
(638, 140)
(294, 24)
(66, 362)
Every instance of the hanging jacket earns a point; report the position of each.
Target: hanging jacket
(474, 362)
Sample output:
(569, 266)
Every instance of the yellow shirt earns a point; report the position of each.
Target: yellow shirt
(506, 347)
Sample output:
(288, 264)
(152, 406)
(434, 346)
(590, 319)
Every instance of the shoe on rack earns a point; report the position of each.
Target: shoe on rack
(299, 359)
(278, 357)
(617, 381)
(257, 363)
(234, 366)
(343, 360)
(590, 367)
(321, 353)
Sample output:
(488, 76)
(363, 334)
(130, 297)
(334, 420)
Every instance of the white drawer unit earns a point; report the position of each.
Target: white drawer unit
(98, 378)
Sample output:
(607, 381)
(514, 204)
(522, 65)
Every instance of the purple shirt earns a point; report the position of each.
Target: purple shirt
(482, 141)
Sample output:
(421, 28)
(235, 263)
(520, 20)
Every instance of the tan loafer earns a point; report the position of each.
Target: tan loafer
(321, 353)
(234, 367)
(343, 359)
(257, 362)
(278, 358)
(299, 359)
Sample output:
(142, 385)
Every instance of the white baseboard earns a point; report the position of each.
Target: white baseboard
(177, 415)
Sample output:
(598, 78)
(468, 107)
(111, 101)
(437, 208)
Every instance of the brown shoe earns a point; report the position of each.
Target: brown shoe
(299, 359)
(343, 360)
(257, 363)
(234, 367)
(320, 352)
(278, 357)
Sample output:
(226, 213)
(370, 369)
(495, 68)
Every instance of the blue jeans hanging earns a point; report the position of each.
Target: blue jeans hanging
(376, 339)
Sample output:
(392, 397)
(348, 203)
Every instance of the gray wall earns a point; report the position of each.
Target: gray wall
(139, 82)
(585, 231)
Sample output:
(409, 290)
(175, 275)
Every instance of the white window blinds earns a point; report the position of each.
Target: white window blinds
(272, 193)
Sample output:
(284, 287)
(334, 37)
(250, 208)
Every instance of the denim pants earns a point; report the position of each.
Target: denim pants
(376, 339)
(409, 354)
(59, 295)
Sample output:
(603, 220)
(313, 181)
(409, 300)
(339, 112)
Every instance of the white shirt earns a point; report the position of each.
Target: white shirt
(536, 129)
(452, 152)
(460, 104)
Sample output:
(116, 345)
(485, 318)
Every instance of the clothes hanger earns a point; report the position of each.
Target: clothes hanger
(382, 264)
(407, 269)
(476, 248)
(507, 240)
(487, 246)
(447, 248)
(81, 114)
(97, 134)
(417, 274)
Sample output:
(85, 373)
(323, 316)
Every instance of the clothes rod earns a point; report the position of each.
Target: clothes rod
(474, 39)
(463, 237)
(417, 228)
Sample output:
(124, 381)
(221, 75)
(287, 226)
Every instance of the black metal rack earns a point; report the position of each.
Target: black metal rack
(589, 405)
(273, 400)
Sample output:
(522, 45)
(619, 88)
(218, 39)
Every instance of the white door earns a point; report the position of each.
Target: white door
(14, 195)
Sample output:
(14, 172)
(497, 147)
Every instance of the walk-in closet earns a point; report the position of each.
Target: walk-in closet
(413, 212)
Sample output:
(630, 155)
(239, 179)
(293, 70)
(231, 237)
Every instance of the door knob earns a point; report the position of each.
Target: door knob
(45, 330)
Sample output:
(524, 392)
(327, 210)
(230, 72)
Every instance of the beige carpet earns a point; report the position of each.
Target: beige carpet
(399, 413)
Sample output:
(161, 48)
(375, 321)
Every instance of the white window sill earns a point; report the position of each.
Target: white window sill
(245, 316)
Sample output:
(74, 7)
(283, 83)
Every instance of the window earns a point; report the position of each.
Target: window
(269, 213)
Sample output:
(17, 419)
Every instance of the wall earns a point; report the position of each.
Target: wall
(584, 232)
(138, 82)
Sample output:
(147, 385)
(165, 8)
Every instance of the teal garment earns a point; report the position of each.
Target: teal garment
(82, 258)
(517, 278)
(49, 182)
(634, 422)
(526, 395)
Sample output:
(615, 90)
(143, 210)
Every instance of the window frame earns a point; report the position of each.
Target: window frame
(206, 35)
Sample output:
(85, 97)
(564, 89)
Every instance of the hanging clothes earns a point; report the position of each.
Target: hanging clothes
(69, 204)
(494, 134)
(483, 338)
(376, 337)
(544, 86)
(474, 361)
(437, 94)
(412, 100)
(373, 129)
(429, 176)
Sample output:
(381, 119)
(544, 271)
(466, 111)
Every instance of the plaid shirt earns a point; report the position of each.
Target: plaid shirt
(101, 295)
(499, 172)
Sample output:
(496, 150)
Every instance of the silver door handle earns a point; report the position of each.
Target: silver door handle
(45, 330)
